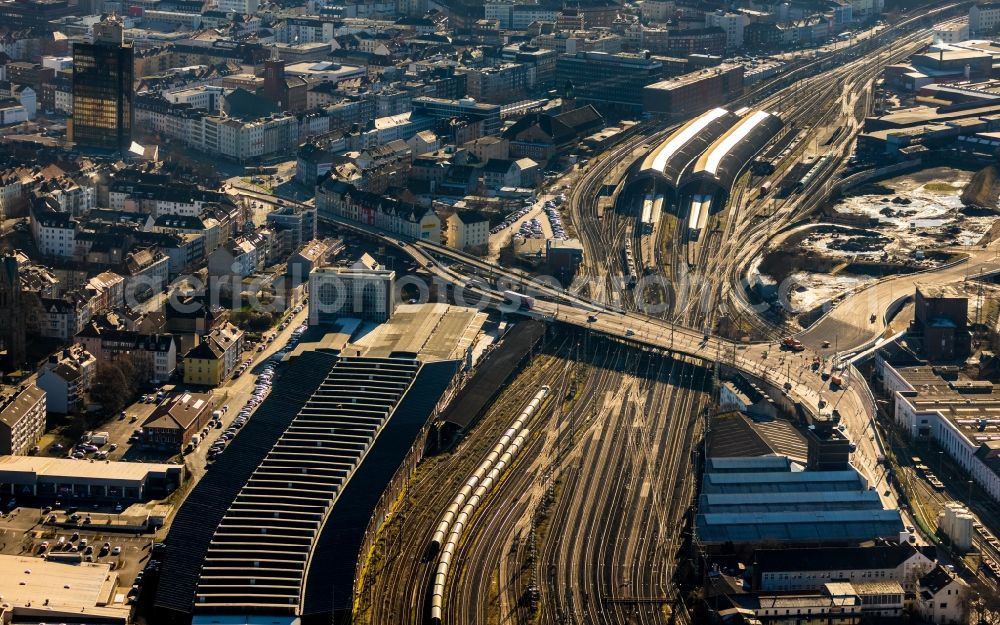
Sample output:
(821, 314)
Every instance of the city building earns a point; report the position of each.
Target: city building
(941, 318)
(952, 33)
(541, 136)
(466, 108)
(691, 94)
(102, 90)
(67, 590)
(174, 423)
(298, 221)
(519, 173)
(938, 404)
(828, 448)
(942, 598)
(731, 23)
(66, 378)
(564, 256)
(469, 230)
(745, 396)
(239, 257)
(22, 418)
(54, 232)
(836, 603)
(359, 292)
(614, 81)
(215, 357)
(335, 198)
(153, 355)
(239, 7)
(808, 568)
(541, 64)
(984, 17)
(500, 84)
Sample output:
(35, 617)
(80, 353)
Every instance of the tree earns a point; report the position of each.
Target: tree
(114, 385)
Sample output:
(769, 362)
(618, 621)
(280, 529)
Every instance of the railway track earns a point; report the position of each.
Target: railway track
(394, 588)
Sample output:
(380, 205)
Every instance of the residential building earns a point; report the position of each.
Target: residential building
(22, 418)
(520, 173)
(174, 423)
(237, 257)
(731, 23)
(146, 272)
(102, 90)
(469, 230)
(359, 292)
(61, 317)
(299, 221)
(191, 316)
(337, 199)
(866, 10)
(943, 598)
(215, 357)
(153, 355)
(54, 232)
(984, 19)
(66, 378)
(239, 7)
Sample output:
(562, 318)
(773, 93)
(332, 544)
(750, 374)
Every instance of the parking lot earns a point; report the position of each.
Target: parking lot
(23, 533)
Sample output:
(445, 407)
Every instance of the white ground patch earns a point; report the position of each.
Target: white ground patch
(808, 290)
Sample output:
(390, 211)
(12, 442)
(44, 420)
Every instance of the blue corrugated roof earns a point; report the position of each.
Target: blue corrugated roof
(837, 526)
(767, 502)
(775, 482)
(750, 464)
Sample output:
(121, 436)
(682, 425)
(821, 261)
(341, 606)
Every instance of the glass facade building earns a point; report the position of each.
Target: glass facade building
(102, 91)
(608, 81)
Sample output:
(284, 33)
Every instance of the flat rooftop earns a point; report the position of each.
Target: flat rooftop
(973, 407)
(430, 331)
(40, 590)
(691, 77)
(41, 467)
(926, 114)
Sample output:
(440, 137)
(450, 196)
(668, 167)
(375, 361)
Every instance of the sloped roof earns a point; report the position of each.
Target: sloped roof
(829, 558)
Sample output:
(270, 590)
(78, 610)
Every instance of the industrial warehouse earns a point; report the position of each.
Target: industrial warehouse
(749, 500)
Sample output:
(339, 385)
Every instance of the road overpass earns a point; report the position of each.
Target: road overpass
(763, 361)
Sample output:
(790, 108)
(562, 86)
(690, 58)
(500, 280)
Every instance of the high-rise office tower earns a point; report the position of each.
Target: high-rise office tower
(102, 89)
